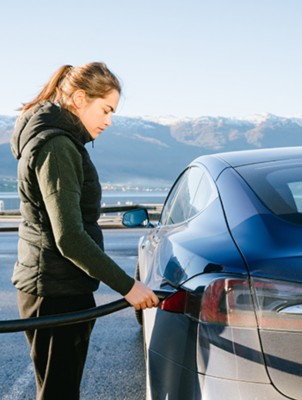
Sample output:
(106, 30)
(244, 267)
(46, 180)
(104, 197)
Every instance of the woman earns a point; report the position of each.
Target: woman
(61, 258)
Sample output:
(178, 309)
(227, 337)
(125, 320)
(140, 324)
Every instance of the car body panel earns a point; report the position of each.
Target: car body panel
(237, 234)
(173, 258)
(275, 241)
(245, 157)
(172, 335)
(186, 384)
(283, 355)
(276, 254)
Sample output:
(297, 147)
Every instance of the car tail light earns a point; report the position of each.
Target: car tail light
(229, 302)
(224, 301)
(176, 302)
(278, 304)
(242, 302)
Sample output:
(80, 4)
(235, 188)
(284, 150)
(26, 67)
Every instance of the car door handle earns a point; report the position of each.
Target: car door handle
(155, 235)
(155, 238)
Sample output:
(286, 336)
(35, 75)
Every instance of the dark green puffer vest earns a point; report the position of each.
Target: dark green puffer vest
(41, 270)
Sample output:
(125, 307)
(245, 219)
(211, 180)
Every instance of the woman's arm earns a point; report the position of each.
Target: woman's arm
(60, 177)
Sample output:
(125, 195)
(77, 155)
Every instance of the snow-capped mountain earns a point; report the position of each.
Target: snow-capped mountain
(137, 149)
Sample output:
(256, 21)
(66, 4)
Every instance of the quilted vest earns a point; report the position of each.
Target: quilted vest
(41, 270)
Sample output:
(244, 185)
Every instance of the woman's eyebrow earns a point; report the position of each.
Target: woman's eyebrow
(111, 108)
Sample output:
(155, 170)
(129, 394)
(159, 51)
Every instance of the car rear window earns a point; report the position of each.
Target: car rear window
(279, 185)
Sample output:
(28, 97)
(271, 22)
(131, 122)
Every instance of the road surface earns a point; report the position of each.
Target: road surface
(115, 367)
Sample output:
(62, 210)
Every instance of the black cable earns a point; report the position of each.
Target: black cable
(18, 325)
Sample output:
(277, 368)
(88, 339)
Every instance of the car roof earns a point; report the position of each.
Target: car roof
(217, 162)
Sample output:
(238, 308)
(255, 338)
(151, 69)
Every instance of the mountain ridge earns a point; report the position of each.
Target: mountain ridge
(154, 150)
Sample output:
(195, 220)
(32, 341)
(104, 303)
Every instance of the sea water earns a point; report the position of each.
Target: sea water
(10, 200)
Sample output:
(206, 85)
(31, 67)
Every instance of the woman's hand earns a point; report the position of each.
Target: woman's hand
(141, 297)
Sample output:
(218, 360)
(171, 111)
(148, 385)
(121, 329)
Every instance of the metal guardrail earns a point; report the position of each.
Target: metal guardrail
(113, 221)
(104, 210)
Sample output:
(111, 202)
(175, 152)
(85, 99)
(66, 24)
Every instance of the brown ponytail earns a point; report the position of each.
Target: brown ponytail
(94, 78)
(49, 91)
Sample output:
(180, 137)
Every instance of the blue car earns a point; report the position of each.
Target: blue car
(228, 249)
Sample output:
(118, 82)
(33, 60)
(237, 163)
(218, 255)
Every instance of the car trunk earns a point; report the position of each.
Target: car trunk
(275, 265)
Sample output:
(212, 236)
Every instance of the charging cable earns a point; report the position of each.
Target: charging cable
(75, 317)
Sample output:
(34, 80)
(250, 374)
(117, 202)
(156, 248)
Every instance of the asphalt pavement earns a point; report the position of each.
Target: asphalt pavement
(115, 368)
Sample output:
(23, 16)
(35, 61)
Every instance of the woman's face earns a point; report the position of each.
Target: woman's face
(95, 114)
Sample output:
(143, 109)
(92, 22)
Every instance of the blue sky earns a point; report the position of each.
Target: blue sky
(174, 57)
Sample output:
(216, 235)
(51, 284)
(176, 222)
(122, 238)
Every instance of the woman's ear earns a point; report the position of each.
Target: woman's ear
(79, 99)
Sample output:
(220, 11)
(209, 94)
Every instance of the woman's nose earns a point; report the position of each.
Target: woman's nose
(108, 120)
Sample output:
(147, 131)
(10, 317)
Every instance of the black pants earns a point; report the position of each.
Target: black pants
(58, 354)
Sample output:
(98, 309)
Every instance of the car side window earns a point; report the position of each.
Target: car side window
(296, 191)
(171, 197)
(191, 194)
(206, 193)
(278, 184)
